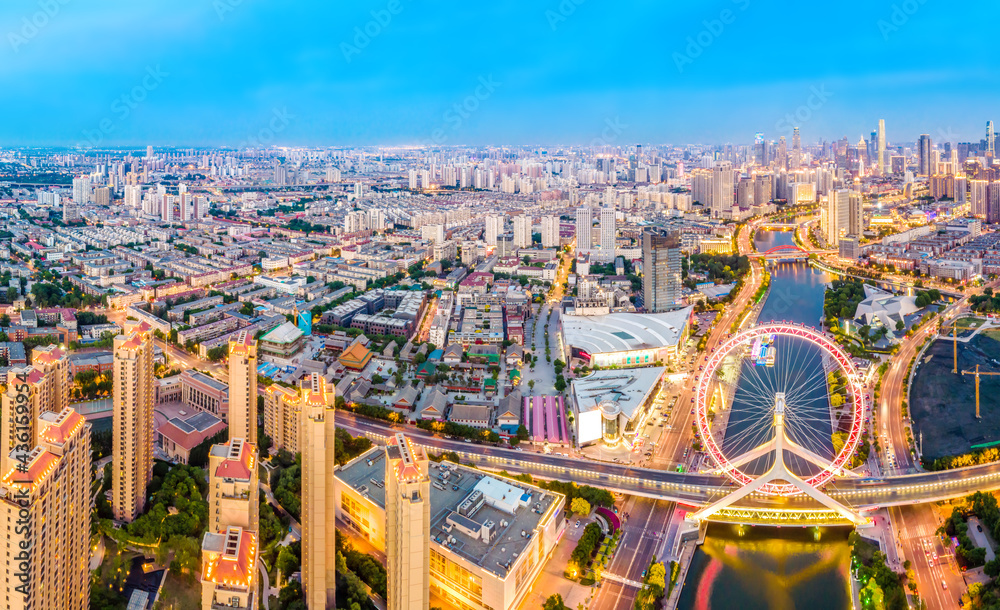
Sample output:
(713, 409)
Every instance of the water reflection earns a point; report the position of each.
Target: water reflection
(782, 569)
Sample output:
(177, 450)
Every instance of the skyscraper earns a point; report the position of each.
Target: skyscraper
(132, 465)
(661, 270)
(81, 190)
(609, 230)
(522, 231)
(722, 188)
(924, 146)
(243, 387)
(45, 502)
(407, 525)
(550, 231)
(796, 160)
(990, 140)
(319, 552)
(494, 227)
(880, 147)
(584, 223)
(32, 391)
(842, 216)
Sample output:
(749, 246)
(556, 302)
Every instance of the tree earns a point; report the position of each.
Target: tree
(579, 506)
(555, 601)
(900, 325)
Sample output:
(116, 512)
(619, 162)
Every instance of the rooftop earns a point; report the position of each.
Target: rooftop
(286, 333)
(532, 504)
(623, 332)
(627, 387)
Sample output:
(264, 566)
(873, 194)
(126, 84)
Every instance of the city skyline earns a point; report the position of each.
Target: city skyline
(656, 74)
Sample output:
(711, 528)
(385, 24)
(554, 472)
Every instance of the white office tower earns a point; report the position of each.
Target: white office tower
(133, 195)
(414, 184)
(425, 178)
(550, 231)
(494, 227)
(332, 174)
(842, 216)
(608, 229)
(522, 231)
(81, 190)
(584, 222)
(722, 188)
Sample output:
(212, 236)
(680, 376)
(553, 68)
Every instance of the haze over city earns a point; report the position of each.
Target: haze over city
(564, 305)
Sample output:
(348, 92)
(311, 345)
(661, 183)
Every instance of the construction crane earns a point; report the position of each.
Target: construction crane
(977, 373)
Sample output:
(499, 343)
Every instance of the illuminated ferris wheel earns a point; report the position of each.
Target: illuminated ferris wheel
(800, 414)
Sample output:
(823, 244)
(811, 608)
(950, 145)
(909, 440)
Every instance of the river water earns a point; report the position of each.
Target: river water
(751, 568)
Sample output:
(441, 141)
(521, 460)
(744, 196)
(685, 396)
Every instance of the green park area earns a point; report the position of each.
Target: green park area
(943, 404)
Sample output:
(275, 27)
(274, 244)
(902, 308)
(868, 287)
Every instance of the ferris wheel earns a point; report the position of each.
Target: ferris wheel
(797, 391)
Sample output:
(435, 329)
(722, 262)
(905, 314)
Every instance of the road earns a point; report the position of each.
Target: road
(642, 538)
(898, 458)
(674, 444)
(691, 489)
(915, 527)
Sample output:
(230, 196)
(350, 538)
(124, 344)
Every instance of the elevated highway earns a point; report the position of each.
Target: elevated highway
(696, 490)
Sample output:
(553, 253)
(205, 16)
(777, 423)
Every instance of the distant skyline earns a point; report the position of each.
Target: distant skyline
(575, 72)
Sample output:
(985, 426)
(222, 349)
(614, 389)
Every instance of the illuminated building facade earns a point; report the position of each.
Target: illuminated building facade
(407, 525)
(319, 551)
(45, 500)
(132, 465)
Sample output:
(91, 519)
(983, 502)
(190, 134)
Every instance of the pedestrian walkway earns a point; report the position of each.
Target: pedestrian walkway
(620, 579)
(687, 553)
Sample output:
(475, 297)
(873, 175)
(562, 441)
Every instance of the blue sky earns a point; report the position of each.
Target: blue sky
(230, 72)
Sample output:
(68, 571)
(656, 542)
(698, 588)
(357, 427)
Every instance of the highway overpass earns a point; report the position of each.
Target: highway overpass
(695, 489)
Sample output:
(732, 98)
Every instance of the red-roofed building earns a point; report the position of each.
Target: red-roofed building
(232, 485)
(177, 437)
(228, 569)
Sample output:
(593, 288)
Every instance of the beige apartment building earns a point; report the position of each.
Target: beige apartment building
(132, 465)
(43, 387)
(53, 362)
(319, 551)
(229, 570)
(282, 413)
(232, 486)
(243, 387)
(489, 536)
(407, 525)
(45, 502)
(230, 547)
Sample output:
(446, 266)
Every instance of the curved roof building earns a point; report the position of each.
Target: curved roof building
(626, 339)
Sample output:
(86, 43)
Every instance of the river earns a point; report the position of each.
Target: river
(753, 568)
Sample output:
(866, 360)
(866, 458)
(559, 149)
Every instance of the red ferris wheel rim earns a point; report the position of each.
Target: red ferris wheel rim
(793, 330)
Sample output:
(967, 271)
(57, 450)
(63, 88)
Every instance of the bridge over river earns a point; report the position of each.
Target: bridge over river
(696, 490)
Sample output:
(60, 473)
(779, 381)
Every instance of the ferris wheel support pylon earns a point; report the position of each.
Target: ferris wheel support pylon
(779, 471)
